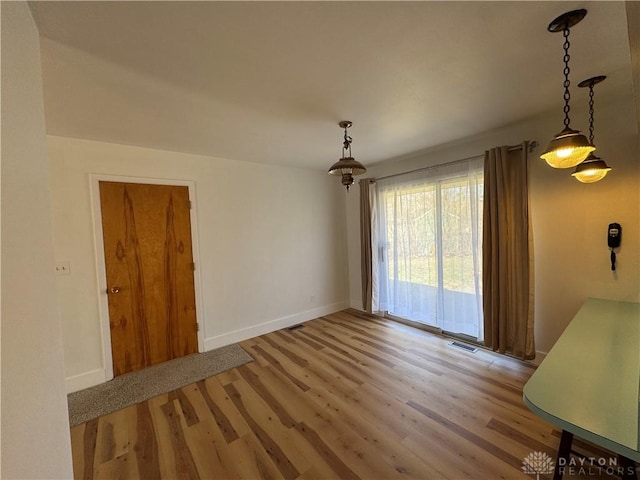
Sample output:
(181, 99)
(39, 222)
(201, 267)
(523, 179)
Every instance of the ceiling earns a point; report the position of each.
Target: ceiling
(269, 81)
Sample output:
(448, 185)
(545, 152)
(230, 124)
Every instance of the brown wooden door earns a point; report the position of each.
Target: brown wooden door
(149, 266)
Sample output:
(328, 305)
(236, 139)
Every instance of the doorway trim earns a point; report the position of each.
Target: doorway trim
(101, 271)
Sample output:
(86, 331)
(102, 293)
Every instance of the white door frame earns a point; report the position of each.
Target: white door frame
(103, 303)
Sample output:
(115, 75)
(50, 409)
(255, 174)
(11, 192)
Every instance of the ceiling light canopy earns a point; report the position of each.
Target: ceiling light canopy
(593, 169)
(347, 166)
(569, 147)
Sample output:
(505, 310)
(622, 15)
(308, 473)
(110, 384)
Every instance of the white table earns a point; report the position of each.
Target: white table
(588, 385)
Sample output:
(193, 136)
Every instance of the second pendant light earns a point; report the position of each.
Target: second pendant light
(593, 168)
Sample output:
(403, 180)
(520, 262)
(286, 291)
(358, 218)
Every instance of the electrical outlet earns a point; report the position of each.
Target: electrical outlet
(63, 268)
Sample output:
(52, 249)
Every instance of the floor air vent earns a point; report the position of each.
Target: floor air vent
(464, 347)
(295, 327)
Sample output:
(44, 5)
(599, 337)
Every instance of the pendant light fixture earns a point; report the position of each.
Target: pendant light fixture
(569, 147)
(347, 166)
(593, 168)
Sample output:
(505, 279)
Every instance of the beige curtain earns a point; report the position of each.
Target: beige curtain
(365, 244)
(507, 277)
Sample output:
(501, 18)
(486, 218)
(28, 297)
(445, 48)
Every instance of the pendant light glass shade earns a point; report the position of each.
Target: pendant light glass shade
(592, 170)
(567, 149)
(347, 167)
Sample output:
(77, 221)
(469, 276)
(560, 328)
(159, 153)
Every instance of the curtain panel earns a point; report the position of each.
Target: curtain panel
(365, 243)
(428, 240)
(507, 253)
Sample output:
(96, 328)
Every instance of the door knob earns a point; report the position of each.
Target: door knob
(113, 290)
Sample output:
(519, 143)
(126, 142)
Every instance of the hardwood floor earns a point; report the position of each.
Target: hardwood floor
(345, 396)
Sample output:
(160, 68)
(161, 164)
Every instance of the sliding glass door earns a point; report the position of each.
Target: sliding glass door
(429, 234)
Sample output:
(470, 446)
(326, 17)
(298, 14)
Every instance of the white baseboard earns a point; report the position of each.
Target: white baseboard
(357, 304)
(225, 339)
(97, 376)
(539, 357)
(85, 380)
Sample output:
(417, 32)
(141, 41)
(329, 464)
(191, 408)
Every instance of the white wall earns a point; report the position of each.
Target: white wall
(272, 244)
(35, 425)
(569, 218)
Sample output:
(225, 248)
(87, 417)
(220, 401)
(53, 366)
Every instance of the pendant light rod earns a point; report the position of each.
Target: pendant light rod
(346, 145)
(590, 82)
(567, 94)
(563, 24)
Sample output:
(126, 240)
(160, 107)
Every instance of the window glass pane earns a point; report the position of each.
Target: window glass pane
(430, 233)
(411, 253)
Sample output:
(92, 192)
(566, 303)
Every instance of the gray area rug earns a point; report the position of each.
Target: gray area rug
(135, 387)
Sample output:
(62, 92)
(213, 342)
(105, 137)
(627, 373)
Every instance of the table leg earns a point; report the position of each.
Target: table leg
(628, 468)
(564, 451)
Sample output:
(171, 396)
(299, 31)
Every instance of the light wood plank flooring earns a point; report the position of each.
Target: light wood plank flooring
(346, 396)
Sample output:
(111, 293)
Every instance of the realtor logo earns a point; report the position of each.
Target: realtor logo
(538, 463)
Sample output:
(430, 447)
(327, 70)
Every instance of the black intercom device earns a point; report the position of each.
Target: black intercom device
(614, 236)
